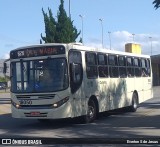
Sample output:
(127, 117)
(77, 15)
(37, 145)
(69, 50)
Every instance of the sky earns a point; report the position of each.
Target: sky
(22, 23)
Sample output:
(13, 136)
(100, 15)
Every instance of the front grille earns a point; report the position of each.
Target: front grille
(44, 96)
(49, 106)
(23, 97)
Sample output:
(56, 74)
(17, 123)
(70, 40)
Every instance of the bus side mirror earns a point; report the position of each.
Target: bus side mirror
(76, 76)
(76, 72)
(4, 68)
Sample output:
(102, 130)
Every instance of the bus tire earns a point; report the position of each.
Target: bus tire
(91, 112)
(134, 106)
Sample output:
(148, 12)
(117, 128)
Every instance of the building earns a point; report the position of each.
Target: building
(155, 60)
(1, 67)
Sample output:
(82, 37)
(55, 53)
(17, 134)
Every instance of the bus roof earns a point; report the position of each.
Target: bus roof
(104, 50)
(80, 46)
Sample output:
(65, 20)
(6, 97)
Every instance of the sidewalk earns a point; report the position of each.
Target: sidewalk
(5, 94)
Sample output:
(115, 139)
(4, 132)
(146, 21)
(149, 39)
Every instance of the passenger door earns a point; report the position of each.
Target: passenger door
(76, 80)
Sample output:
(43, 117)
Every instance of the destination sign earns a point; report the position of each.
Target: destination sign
(37, 51)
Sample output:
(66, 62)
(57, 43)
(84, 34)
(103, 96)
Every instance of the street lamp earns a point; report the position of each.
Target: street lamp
(101, 20)
(82, 25)
(69, 9)
(133, 37)
(151, 44)
(109, 34)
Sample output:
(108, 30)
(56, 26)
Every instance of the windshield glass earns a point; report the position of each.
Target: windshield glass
(45, 75)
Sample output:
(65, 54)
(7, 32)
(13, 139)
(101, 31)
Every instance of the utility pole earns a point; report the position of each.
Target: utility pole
(82, 25)
(109, 33)
(151, 44)
(101, 20)
(69, 9)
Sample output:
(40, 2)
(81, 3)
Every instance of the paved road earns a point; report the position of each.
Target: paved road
(122, 124)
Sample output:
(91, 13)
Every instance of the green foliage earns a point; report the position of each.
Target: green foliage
(2, 79)
(50, 27)
(60, 31)
(156, 3)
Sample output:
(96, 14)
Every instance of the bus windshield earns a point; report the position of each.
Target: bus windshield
(45, 75)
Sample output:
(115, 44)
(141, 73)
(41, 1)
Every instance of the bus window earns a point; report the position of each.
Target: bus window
(122, 66)
(130, 68)
(102, 65)
(148, 67)
(137, 67)
(91, 65)
(18, 76)
(113, 67)
(144, 68)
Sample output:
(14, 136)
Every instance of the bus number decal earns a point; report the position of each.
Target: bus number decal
(25, 102)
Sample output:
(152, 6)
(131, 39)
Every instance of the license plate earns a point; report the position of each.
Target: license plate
(35, 113)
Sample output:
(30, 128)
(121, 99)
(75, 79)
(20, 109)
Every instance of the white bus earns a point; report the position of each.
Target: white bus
(53, 81)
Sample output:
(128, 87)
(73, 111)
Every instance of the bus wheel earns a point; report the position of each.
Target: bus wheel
(134, 105)
(91, 112)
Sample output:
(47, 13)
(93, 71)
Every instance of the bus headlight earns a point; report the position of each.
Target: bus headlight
(60, 103)
(15, 104)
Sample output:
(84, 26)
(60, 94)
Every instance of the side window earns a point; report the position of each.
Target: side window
(91, 65)
(76, 70)
(137, 67)
(122, 66)
(148, 67)
(130, 67)
(113, 66)
(75, 57)
(145, 68)
(102, 65)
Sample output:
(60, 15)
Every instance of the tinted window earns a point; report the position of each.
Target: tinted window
(112, 59)
(145, 67)
(121, 60)
(102, 65)
(91, 65)
(148, 67)
(113, 67)
(101, 59)
(130, 67)
(45, 75)
(122, 67)
(75, 57)
(137, 67)
(76, 70)
(91, 58)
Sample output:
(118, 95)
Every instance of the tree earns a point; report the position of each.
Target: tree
(60, 31)
(156, 3)
(50, 27)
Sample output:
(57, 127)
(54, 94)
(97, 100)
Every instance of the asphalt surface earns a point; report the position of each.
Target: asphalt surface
(118, 124)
